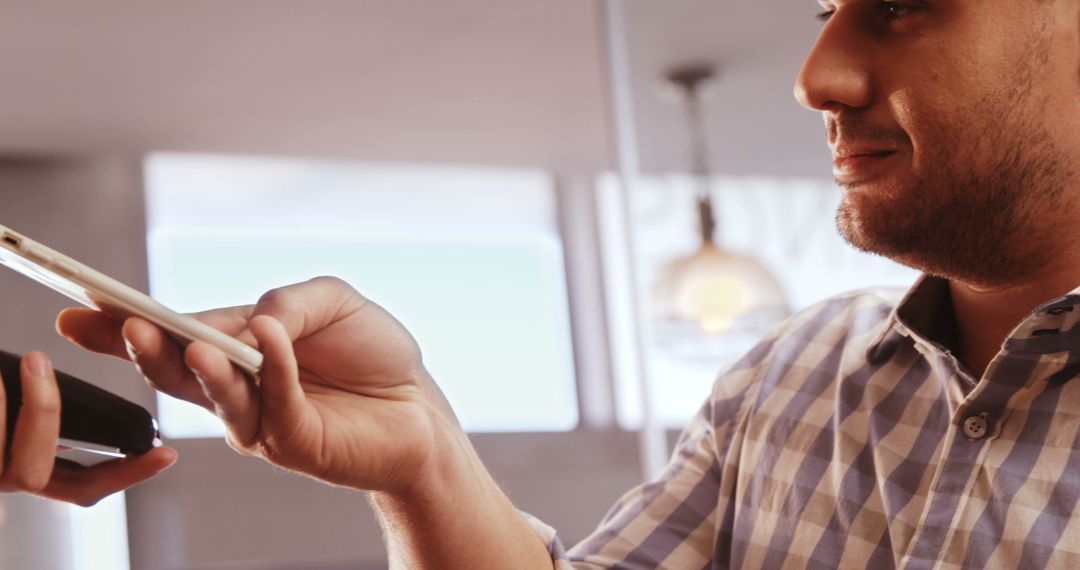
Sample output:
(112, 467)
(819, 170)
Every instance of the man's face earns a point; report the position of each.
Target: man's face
(954, 126)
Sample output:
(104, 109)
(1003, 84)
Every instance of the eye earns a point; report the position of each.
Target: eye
(824, 16)
(894, 10)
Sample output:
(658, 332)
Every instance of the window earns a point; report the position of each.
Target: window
(469, 260)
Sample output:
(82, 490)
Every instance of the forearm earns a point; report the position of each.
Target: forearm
(459, 519)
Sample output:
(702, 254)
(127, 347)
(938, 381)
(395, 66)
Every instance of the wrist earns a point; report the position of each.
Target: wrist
(449, 513)
(449, 466)
(459, 518)
(418, 515)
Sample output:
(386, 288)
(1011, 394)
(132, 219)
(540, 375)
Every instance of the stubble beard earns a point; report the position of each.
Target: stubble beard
(978, 211)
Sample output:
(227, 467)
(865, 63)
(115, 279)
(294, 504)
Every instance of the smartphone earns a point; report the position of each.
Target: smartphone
(95, 425)
(99, 291)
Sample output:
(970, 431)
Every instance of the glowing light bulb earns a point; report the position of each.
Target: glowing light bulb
(712, 293)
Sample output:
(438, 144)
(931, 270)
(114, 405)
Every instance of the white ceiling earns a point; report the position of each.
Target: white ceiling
(512, 82)
(503, 82)
(754, 124)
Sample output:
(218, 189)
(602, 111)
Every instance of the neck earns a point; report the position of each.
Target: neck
(985, 315)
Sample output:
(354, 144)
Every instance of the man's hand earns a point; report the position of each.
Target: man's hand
(30, 464)
(343, 395)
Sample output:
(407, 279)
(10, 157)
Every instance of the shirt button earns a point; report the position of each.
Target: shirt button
(975, 427)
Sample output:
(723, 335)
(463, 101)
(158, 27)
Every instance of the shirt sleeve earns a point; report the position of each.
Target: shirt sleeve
(551, 539)
(673, 521)
(683, 518)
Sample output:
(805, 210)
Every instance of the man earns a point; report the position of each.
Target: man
(939, 431)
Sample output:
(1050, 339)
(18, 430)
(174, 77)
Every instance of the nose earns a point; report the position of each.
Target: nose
(835, 74)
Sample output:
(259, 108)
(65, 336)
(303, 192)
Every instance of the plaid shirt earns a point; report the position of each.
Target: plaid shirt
(851, 438)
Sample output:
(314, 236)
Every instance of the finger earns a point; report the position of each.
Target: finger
(233, 395)
(160, 361)
(87, 485)
(98, 332)
(33, 447)
(92, 330)
(282, 397)
(230, 320)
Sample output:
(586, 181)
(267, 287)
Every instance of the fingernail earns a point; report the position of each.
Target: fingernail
(39, 364)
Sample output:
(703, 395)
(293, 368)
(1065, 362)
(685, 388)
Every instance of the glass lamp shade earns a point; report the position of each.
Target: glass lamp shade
(704, 301)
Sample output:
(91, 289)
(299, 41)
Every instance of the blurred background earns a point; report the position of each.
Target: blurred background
(518, 181)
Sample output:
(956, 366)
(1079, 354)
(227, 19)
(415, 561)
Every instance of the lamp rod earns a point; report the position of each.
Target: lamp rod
(690, 79)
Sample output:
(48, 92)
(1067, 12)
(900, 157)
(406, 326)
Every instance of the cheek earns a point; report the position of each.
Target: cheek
(1062, 87)
(922, 116)
(930, 88)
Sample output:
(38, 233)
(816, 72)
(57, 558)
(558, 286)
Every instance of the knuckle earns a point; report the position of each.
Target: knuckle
(278, 299)
(238, 446)
(46, 408)
(340, 288)
(272, 450)
(332, 281)
(269, 450)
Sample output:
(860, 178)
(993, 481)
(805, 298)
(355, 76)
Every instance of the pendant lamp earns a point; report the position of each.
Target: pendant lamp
(711, 297)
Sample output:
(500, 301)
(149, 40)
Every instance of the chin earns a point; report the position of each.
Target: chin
(877, 228)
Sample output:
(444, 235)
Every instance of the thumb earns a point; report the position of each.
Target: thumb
(307, 307)
(284, 405)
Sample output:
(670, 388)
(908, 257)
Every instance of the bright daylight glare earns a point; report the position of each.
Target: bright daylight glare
(468, 259)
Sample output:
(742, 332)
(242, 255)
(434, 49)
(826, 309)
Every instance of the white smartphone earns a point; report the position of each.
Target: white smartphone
(99, 291)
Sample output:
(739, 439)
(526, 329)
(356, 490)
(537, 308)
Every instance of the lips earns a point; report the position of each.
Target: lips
(857, 164)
